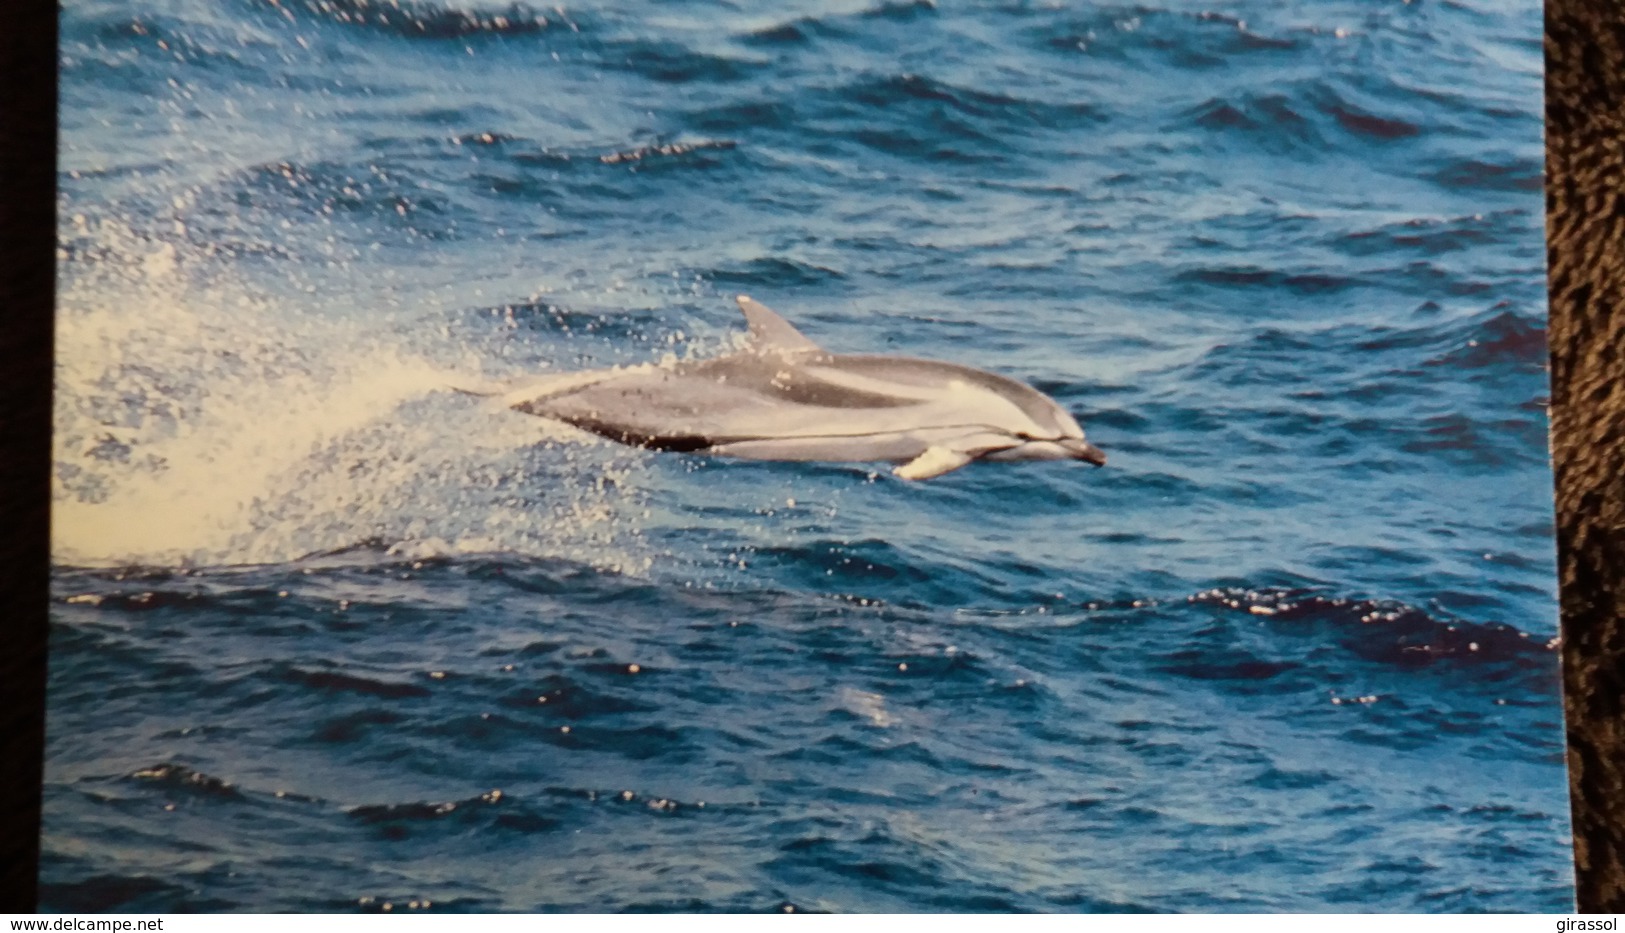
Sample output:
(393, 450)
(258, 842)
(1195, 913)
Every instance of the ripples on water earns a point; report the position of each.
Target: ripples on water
(329, 636)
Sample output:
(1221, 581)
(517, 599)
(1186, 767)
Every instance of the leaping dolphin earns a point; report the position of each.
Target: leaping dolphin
(783, 397)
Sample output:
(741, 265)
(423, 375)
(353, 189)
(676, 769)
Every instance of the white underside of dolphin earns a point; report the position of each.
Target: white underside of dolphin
(785, 398)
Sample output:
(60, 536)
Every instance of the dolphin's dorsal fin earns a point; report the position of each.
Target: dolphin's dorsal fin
(771, 332)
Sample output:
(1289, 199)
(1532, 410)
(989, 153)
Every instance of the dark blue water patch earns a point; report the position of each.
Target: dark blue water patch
(1394, 633)
(579, 183)
(1482, 113)
(567, 699)
(1347, 400)
(122, 893)
(836, 28)
(773, 272)
(490, 811)
(997, 109)
(915, 118)
(338, 682)
(355, 726)
(1499, 334)
(1303, 283)
(561, 579)
(882, 865)
(1434, 236)
(1270, 118)
(857, 566)
(146, 47)
(1509, 174)
(950, 143)
(790, 33)
(1086, 903)
(670, 62)
(406, 904)
(1368, 124)
(1233, 666)
(1279, 779)
(897, 11)
(1472, 447)
(739, 117)
(1500, 337)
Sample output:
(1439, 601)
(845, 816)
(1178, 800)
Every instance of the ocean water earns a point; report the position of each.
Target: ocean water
(329, 636)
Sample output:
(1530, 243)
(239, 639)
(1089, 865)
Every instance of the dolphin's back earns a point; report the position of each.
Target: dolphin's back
(927, 375)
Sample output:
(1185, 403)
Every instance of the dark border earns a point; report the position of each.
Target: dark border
(28, 257)
(1585, 113)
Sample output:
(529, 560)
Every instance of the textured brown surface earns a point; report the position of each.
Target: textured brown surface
(1585, 162)
(27, 269)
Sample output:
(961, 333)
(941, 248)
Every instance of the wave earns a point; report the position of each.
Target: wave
(669, 61)
(928, 118)
(695, 152)
(118, 893)
(181, 778)
(1497, 338)
(1178, 39)
(108, 43)
(807, 29)
(1388, 631)
(1304, 118)
(491, 810)
(1306, 282)
(1507, 174)
(905, 90)
(1271, 117)
(543, 810)
(773, 272)
(424, 20)
(1432, 236)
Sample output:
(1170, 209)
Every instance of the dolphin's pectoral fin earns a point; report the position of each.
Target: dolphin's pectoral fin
(950, 455)
(934, 462)
(771, 332)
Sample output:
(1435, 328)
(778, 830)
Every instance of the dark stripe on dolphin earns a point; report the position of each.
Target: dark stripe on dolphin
(690, 443)
(678, 443)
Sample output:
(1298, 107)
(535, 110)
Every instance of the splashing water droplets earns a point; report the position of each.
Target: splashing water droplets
(200, 423)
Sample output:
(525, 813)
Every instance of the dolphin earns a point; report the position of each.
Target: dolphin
(783, 397)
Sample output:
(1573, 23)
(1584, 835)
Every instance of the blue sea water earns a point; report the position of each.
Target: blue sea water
(329, 636)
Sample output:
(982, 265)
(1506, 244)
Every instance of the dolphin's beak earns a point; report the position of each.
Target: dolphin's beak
(1083, 450)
